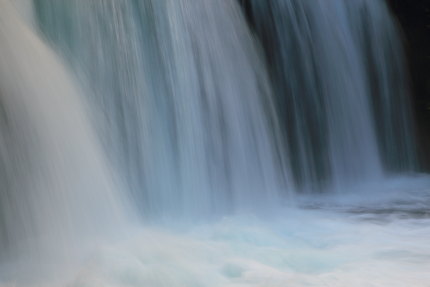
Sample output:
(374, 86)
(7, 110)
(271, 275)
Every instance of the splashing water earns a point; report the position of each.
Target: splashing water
(352, 241)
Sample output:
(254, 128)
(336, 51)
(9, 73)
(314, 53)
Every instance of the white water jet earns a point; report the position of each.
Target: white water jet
(58, 193)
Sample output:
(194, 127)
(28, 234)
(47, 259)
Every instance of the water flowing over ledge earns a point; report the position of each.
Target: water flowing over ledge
(178, 143)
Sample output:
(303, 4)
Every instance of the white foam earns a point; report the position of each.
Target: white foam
(325, 247)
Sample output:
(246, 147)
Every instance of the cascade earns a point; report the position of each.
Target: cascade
(57, 188)
(187, 112)
(207, 143)
(338, 72)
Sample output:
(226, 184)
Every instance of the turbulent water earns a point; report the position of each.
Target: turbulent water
(340, 244)
(371, 240)
(257, 143)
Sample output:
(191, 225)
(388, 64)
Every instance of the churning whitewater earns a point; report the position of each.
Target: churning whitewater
(188, 143)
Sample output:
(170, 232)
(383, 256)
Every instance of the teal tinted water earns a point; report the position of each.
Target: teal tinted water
(170, 106)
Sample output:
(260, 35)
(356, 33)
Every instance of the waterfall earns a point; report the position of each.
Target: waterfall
(185, 106)
(337, 69)
(199, 118)
(186, 102)
(207, 143)
(57, 190)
